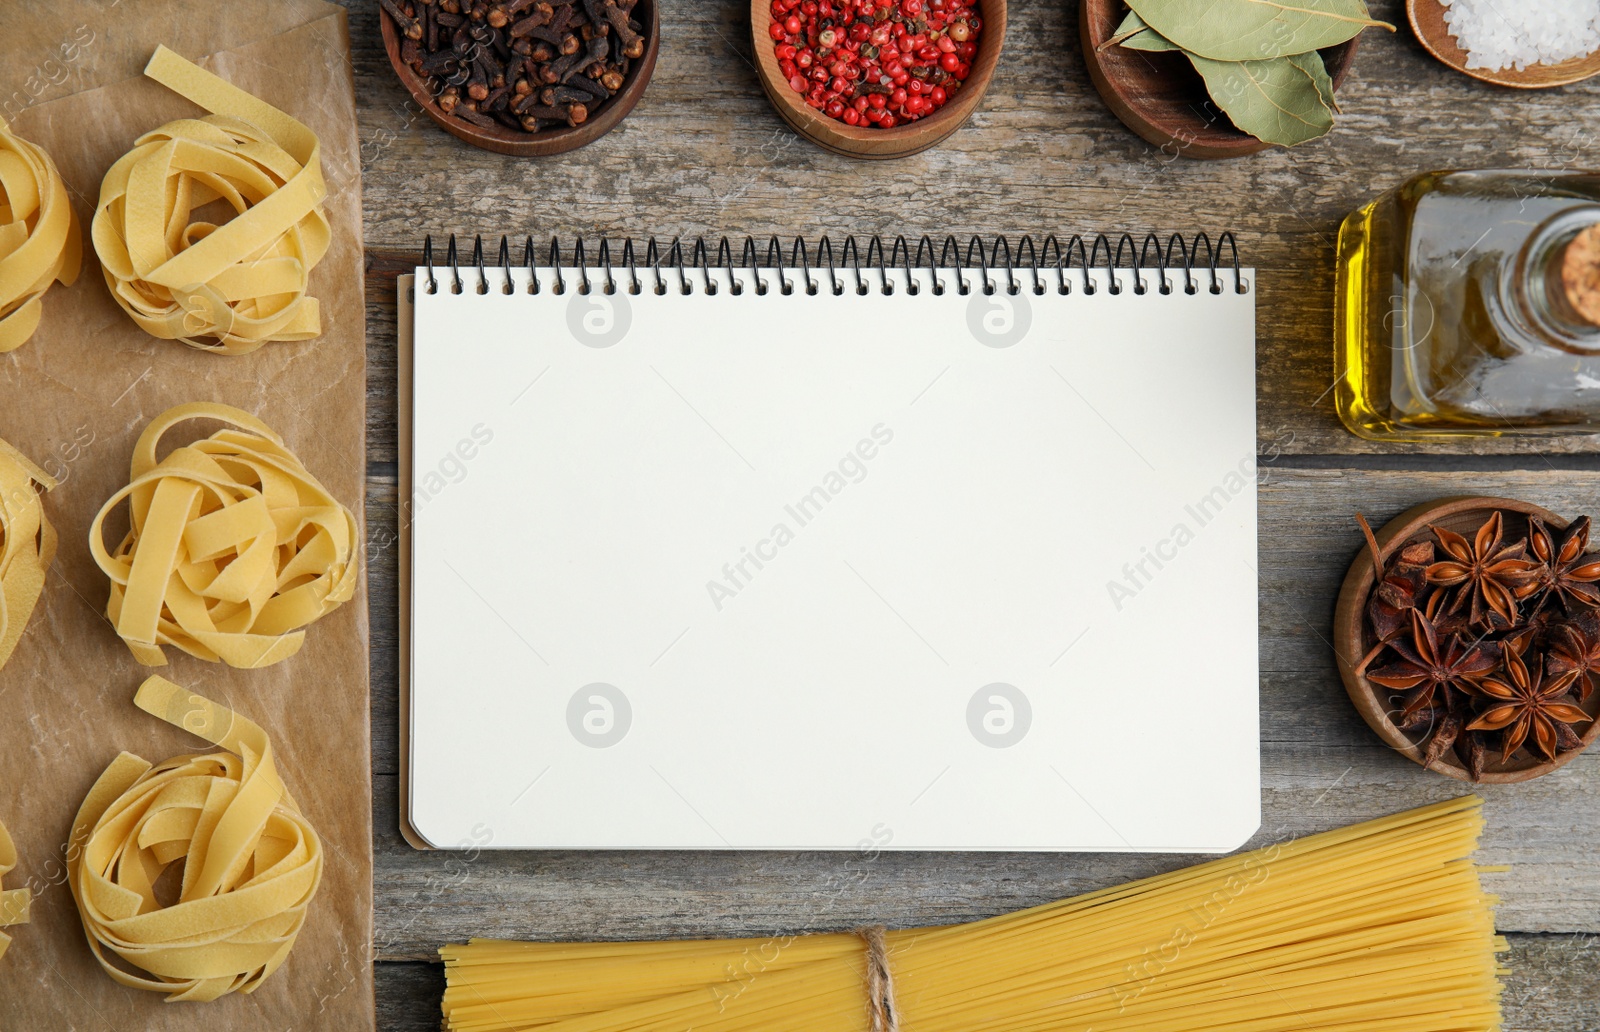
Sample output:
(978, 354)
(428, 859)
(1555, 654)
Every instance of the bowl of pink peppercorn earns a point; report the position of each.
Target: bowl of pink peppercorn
(876, 78)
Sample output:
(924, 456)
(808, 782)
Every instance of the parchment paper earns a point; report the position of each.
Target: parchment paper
(74, 399)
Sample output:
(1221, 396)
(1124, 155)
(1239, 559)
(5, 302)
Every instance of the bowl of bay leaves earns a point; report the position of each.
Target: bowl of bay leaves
(1224, 78)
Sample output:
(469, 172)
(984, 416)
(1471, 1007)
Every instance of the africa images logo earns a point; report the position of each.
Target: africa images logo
(999, 320)
(599, 715)
(599, 320)
(999, 715)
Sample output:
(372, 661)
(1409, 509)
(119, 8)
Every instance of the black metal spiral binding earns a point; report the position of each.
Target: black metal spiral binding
(1201, 262)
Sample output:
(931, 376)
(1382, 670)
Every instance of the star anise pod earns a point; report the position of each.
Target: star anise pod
(1474, 753)
(1537, 630)
(1489, 576)
(1445, 620)
(1429, 669)
(1528, 705)
(1402, 585)
(1576, 647)
(1566, 569)
(1567, 739)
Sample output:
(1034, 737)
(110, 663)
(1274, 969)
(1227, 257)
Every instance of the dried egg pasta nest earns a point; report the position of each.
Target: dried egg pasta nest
(14, 902)
(40, 242)
(226, 288)
(251, 861)
(27, 544)
(233, 547)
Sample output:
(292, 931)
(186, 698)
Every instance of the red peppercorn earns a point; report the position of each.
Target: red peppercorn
(875, 62)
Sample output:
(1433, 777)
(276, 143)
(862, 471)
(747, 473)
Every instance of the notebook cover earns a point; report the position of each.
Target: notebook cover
(1016, 607)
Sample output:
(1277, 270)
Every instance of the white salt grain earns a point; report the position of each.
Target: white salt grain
(1500, 34)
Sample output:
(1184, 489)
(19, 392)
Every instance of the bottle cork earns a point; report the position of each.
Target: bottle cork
(1580, 274)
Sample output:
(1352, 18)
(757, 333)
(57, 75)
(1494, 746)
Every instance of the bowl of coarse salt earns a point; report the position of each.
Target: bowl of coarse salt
(1529, 44)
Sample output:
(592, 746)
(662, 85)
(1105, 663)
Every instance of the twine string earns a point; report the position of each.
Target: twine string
(883, 1015)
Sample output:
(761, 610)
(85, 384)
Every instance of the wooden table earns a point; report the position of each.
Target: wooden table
(704, 153)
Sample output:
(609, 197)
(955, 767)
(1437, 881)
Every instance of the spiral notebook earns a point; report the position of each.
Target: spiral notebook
(831, 548)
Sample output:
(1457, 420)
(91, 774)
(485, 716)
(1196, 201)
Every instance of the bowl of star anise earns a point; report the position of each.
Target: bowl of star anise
(1468, 637)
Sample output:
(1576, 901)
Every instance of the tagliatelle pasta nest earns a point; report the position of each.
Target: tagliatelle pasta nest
(27, 544)
(40, 240)
(231, 287)
(233, 546)
(251, 861)
(14, 903)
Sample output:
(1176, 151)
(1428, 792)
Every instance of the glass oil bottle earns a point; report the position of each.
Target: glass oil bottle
(1469, 306)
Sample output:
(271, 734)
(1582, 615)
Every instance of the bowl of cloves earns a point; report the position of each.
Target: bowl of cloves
(1468, 636)
(523, 77)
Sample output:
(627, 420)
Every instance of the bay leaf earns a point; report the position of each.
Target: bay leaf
(1275, 101)
(1135, 34)
(1255, 30)
(1312, 65)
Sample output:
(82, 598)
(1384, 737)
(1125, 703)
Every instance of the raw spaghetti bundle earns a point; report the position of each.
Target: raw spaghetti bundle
(27, 544)
(251, 862)
(226, 288)
(1380, 926)
(40, 242)
(13, 902)
(233, 546)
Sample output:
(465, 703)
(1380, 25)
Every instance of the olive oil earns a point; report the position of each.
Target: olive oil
(1456, 312)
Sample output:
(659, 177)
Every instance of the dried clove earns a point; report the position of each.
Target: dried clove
(409, 26)
(522, 64)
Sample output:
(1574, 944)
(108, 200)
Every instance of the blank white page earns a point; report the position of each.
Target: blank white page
(811, 572)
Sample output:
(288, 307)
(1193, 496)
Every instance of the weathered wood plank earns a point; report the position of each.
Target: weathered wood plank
(1554, 984)
(704, 153)
(408, 997)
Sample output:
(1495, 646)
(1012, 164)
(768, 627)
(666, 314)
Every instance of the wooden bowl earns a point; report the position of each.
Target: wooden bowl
(1352, 639)
(501, 140)
(864, 141)
(1161, 97)
(1427, 20)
